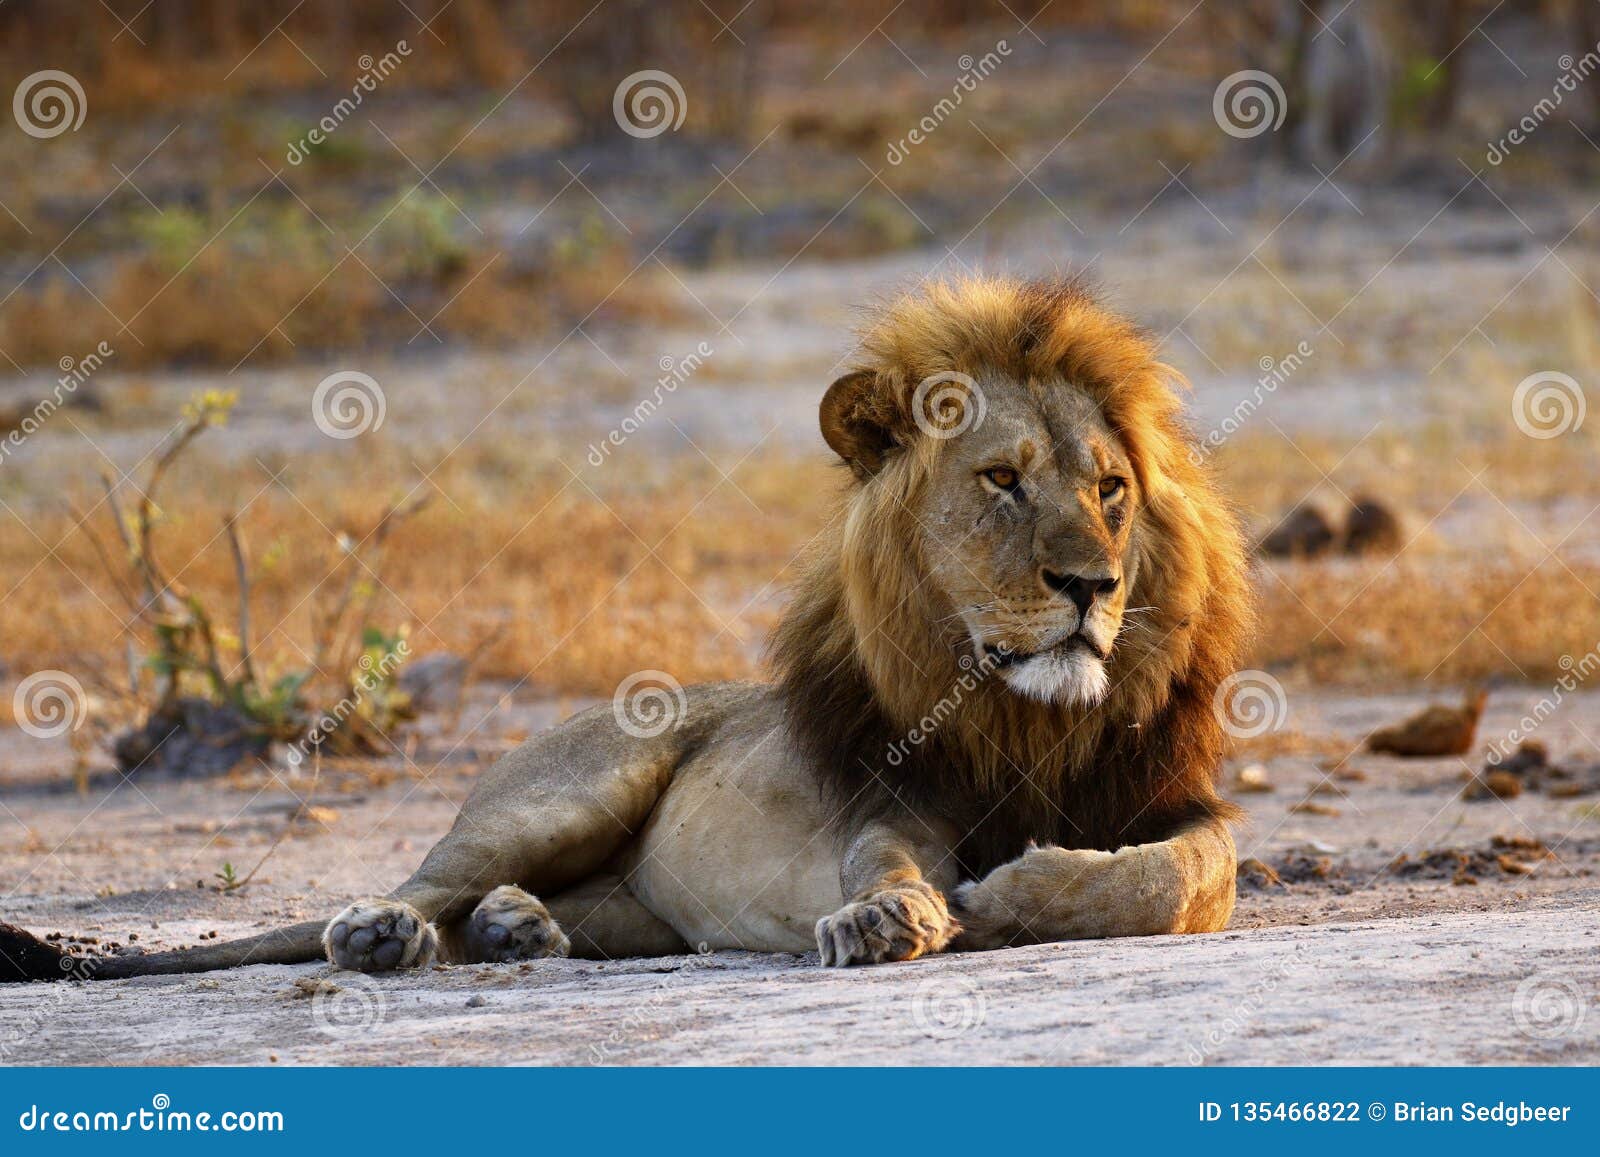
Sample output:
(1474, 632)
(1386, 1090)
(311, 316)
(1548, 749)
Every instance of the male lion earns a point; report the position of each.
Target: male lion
(993, 722)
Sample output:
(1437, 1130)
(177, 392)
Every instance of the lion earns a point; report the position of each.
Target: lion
(993, 716)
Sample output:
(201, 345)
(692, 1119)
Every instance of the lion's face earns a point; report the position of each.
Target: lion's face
(1026, 521)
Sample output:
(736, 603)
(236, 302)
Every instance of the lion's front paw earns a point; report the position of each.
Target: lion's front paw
(380, 935)
(509, 924)
(898, 923)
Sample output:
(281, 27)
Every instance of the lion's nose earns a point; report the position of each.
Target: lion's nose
(1082, 591)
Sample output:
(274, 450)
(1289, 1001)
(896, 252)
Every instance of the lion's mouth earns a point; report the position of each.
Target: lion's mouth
(999, 657)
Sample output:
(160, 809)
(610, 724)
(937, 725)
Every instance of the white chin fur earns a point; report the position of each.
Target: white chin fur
(1074, 677)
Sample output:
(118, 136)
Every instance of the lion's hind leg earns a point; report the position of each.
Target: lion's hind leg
(544, 818)
(380, 935)
(508, 924)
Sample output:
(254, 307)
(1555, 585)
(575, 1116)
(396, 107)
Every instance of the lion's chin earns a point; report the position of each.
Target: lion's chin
(1074, 676)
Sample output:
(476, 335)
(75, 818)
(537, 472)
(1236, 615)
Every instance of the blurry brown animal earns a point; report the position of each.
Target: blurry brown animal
(1305, 532)
(1372, 528)
(1435, 730)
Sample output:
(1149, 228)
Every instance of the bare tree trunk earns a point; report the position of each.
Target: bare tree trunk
(1448, 30)
(1588, 24)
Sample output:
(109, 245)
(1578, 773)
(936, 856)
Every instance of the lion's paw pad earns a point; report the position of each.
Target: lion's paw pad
(509, 924)
(899, 923)
(378, 936)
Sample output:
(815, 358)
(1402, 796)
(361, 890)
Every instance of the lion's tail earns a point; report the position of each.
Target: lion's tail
(23, 956)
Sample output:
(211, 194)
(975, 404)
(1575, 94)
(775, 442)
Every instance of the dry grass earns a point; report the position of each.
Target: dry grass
(572, 590)
(225, 303)
(575, 587)
(1432, 617)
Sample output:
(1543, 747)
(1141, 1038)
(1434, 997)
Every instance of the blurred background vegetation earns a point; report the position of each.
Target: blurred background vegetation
(478, 232)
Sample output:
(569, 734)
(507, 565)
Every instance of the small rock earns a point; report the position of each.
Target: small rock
(434, 682)
(1252, 779)
(1530, 755)
(1258, 874)
(1500, 784)
(476, 1001)
(189, 737)
(1312, 808)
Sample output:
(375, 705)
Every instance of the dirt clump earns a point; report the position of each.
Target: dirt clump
(1502, 856)
(1529, 768)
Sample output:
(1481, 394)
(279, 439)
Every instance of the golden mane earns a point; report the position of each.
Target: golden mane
(866, 655)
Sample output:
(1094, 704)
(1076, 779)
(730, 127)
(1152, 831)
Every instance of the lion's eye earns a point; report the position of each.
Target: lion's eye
(1004, 477)
(1110, 488)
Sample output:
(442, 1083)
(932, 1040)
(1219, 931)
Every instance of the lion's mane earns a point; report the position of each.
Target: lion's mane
(867, 655)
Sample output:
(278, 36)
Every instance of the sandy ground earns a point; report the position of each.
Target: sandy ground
(1354, 960)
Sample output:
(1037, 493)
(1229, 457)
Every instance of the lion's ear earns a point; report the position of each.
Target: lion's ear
(852, 425)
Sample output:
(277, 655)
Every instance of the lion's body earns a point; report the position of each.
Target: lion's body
(993, 721)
